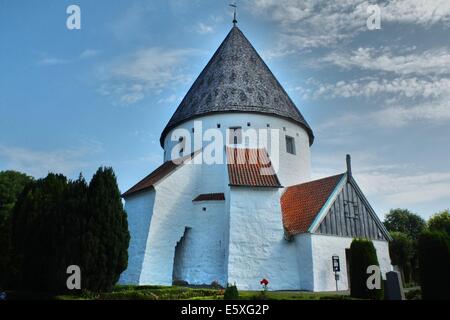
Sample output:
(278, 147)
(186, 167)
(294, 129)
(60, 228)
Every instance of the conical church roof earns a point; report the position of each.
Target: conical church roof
(236, 79)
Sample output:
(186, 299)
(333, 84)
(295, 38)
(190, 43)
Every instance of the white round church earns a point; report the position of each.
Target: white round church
(233, 201)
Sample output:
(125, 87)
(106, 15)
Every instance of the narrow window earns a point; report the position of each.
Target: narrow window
(182, 143)
(290, 145)
(218, 126)
(268, 125)
(193, 130)
(235, 135)
(248, 124)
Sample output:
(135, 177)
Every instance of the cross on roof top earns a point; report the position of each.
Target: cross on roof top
(234, 5)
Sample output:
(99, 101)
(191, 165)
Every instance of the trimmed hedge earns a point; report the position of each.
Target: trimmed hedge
(231, 293)
(434, 265)
(362, 255)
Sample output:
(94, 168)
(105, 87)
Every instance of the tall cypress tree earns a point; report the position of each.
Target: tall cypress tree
(362, 255)
(38, 233)
(106, 236)
(12, 184)
(434, 263)
(57, 223)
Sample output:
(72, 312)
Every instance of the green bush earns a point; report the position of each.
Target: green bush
(216, 285)
(362, 255)
(434, 264)
(401, 250)
(415, 294)
(231, 293)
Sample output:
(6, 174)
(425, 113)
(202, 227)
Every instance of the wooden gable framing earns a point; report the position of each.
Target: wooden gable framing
(349, 214)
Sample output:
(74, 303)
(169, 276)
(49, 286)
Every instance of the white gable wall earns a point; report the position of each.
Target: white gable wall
(325, 246)
(257, 247)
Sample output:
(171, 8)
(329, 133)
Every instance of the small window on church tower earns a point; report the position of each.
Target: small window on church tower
(182, 143)
(235, 135)
(218, 126)
(248, 124)
(193, 130)
(290, 145)
(268, 125)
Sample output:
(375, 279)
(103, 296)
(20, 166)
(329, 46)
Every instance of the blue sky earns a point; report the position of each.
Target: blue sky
(73, 100)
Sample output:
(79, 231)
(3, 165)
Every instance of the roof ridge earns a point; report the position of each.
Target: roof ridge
(317, 180)
(165, 169)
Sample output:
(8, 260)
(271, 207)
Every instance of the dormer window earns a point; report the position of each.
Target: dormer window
(235, 135)
(290, 145)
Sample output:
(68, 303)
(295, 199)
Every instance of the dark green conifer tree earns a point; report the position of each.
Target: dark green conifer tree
(106, 237)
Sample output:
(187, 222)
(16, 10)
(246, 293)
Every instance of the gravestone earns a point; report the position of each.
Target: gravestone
(393, 286)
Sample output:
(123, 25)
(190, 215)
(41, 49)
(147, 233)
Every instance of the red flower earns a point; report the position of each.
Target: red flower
(264, 282)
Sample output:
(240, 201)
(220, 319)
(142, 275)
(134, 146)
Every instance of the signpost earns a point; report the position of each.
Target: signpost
(336, 268)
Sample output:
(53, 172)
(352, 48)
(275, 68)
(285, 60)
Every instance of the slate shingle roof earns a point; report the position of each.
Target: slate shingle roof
(236, 79)
(250, 168)
(300, 204)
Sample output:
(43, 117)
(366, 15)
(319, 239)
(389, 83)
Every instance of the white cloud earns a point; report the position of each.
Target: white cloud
(203, 28)
(402, 87)
(391, 185)
(171, 99)
(403, 190)
(52, 61)
(419, 12)
(312, 23)
(434, 61)
(435, 111)
(152, 69)
(39, 163)
(89, 53)
(319, 23)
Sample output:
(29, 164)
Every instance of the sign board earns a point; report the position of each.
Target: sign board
(336, 264)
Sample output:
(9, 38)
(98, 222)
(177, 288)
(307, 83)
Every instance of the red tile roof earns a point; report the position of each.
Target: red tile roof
(301, 203)
(250, 167)
(161, 172)
(210, 197)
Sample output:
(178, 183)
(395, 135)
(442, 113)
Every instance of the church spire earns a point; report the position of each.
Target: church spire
(234, 5)
(236, 79)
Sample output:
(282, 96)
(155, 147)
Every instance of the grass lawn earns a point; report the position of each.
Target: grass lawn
(186, 293)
